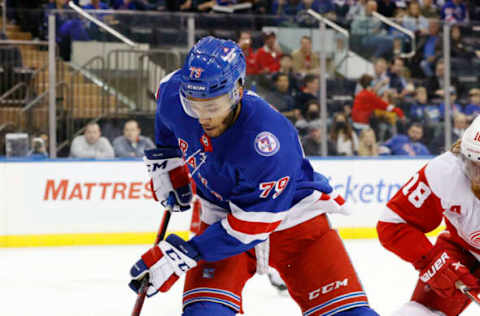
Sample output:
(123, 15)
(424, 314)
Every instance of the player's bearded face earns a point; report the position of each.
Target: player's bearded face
(215, 114)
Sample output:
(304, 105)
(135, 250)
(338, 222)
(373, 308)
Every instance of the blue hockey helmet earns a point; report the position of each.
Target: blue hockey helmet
(213, 68)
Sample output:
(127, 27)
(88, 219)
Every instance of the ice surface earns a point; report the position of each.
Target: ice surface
(93, 281)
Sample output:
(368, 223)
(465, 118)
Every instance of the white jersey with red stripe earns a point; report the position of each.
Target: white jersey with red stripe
(252, 179)
(440, 190)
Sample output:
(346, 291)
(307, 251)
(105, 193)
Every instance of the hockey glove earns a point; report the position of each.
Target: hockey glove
(165, 263)
(443, 270)
(169, 174)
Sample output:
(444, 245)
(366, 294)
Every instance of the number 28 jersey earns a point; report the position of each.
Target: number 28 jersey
(440, 190)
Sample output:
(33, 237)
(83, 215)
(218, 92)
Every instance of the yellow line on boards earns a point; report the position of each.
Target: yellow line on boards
(371, 232)
(91, 239)
(86, 239)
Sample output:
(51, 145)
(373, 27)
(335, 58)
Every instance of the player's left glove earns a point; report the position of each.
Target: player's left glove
(441, 272)
(165, 263)
(170, 178)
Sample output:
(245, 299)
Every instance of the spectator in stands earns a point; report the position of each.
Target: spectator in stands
(357, 8)
(131, 144)
(308, 92)
(285, 7)
(460, 123)
(406, 145)
(245, 43)
(398, 82)
(125, 5)
(418, 106)
(381, 80)
(414, 20)
(342, 7)
(60, 17)
(473, 109)
(430, 46)
(459, 49)
(312, 142)
(366, 101)
(321, 6)
(387, 8)
(96, 5)
(279, 97)
(268, 57)
(373, 35)
(455, 107)
(312, 115)
(91, 144)
(435, 84)
(304, 60)
(454, 11)
(39, 149)
(367, 143)
(343, 136)
(429, 9)
(286, 66)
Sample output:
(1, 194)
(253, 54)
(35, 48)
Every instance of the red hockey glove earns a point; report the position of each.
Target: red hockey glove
(443, 271)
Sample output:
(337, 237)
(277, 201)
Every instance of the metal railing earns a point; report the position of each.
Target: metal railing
(4, 97)
(102, 25)
(333, 25)
(401, 29)
(133, 76)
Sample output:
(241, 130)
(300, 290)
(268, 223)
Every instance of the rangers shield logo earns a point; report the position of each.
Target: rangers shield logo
(266, 144)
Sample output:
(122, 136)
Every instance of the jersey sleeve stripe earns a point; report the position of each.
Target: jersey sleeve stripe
(251, 228)
(246, 237)
(254, 216)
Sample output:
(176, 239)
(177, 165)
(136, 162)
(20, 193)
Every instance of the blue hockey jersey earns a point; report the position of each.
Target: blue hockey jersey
(251, 176)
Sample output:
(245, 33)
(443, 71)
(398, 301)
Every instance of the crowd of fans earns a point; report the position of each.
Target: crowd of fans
(398, 110)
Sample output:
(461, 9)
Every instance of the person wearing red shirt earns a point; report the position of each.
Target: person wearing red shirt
(366, 101)
(245, 43)
(268, 56)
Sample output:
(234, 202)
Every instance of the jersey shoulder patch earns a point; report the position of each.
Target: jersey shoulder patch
(266, 144)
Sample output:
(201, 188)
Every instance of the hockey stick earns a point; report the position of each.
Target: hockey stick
(142, 292)
(465, 290)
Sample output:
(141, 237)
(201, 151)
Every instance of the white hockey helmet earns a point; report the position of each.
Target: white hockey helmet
(470, 146)
(470, 150)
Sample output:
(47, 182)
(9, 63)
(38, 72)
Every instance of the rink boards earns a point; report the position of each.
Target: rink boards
(61, 202)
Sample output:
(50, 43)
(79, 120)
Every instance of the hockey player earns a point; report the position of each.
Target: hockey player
(448, 187)
(262, 203)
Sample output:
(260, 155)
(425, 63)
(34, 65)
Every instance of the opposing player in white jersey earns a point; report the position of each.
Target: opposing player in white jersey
(447, 187)
(262, 203)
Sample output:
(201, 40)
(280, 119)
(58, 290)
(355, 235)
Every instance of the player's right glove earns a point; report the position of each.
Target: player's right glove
(165, 263)
(169, 177)
(443, 270)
